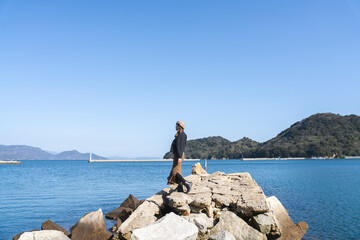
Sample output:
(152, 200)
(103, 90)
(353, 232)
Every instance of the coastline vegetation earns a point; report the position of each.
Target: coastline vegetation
(325, 135)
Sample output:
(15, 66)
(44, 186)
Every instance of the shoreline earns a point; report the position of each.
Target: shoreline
(140, 160)
(10, 162)
(197, 160)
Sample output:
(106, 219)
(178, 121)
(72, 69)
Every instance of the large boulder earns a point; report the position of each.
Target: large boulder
(197, 169)
(125, 209)
(230, 222)
(201, 220)
(169, 227)
(17, 236)
(289, 230)
(121, 212)
(223, 235)
(50, 225)
(144, 215)
(130, 202)
(266, 223)
(252, 200)
(44, 235)
(90, 227)
(237, 191)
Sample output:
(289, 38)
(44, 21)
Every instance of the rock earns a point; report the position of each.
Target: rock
(125, 209)
(216, 174)
(178, 199)
(144, 215)
(50, 225)
(289, 230)
(131, 202)
(116, 226)
(44, 235)
(160, 198)
(202, 222)
(252, 200)
(195, 179)
(121, 212)
(238, 191)
(169, 227)
(90, 227)
(223, 235)
(266, 223)
(197, 169)
(236, 226)
(200, 195)
(183, 210)
(17, 236)
(224, 200)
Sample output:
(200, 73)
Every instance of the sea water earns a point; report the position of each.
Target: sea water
(323, 193)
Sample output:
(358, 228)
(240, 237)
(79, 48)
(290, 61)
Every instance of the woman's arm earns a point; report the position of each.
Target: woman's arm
(180, 145)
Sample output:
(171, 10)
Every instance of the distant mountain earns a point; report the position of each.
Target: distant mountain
(51, 152)
(75, 155)
(22, 152)
(320, 135)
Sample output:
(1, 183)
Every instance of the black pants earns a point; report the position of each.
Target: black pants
(179, 178)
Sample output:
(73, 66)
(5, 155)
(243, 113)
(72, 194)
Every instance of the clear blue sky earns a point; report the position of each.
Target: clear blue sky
(113, 77)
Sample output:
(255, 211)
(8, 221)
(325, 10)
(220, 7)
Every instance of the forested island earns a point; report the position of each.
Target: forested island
(325, 135)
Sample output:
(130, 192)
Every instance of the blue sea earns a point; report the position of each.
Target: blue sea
(323, 193)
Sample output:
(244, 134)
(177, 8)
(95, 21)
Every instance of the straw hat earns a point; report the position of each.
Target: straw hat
(181, 124)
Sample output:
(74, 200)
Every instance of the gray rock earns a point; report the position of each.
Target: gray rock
(44, 235)
(224, 199)
(169, 227)
(238, 227)
(17, 236)
(178, 199)
(252, 200)
(195, 179)
(158, 199)
(223, 235)
(200, 195)
(289, 230)
(266, 223)
(201, 220)
(144, 215)
(90, 227)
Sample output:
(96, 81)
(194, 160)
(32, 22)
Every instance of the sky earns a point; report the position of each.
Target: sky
(113, 77)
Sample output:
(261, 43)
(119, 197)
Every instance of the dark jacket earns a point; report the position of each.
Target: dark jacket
(178, 145)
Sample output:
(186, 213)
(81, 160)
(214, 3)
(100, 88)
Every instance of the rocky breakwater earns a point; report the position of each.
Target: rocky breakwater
(218, 206)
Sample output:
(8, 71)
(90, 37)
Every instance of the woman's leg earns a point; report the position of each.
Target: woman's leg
(180, 179)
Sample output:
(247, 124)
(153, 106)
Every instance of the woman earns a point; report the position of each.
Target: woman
(178, 148)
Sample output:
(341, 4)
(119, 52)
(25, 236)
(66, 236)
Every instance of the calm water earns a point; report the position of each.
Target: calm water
(324, 193)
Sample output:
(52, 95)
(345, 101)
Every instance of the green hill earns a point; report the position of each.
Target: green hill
(218, 148)
(320, 135)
